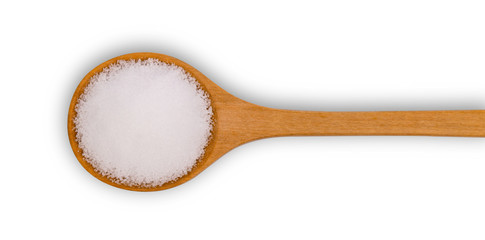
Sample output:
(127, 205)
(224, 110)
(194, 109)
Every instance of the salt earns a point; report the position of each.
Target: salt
(143, 123)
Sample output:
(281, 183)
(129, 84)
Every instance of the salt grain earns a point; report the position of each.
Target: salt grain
(143, 123)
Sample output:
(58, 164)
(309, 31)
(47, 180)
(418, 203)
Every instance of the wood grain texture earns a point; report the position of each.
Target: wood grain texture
(238, 122)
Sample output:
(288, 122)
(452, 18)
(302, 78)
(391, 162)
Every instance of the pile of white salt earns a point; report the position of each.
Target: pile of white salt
(143, 123)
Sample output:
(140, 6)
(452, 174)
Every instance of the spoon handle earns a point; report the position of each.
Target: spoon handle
(459, 123)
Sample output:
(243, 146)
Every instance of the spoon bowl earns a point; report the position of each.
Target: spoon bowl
(208, 86)
(237, 122)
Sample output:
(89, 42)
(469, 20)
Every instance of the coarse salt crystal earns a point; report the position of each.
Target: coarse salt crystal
(143, 123)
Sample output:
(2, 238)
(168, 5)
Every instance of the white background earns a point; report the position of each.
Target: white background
(309, 55)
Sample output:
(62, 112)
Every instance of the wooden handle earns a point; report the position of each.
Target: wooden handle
(274, 122)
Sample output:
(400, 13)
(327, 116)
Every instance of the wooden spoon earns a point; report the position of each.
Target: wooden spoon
(238, 122)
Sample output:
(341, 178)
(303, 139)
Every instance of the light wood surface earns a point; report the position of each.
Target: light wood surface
(238, 122)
